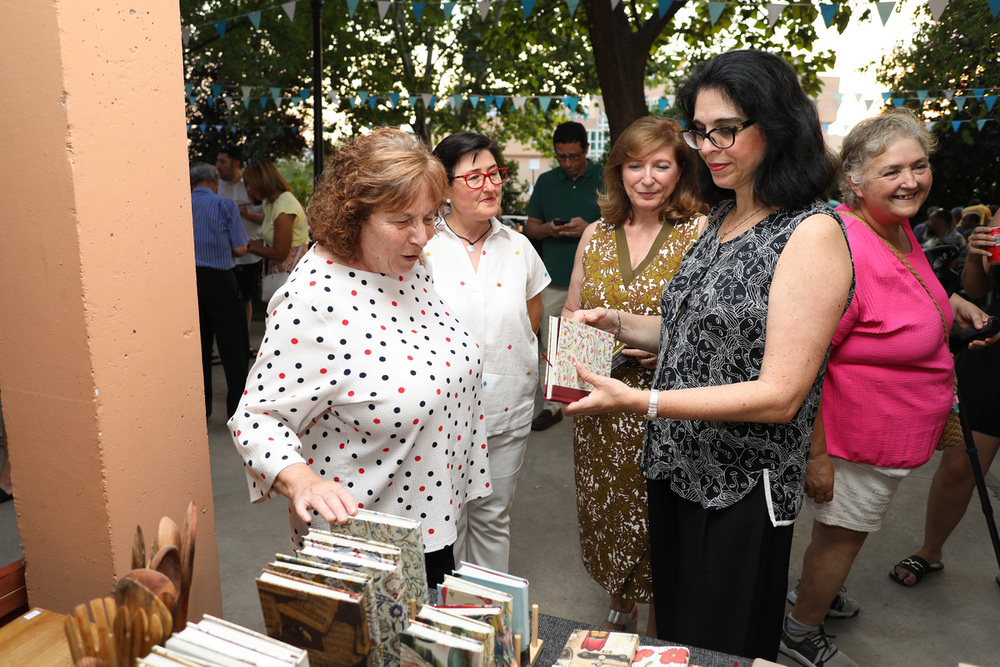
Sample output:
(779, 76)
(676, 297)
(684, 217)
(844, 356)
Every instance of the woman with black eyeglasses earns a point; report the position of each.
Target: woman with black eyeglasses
(743, 337)
(493, 279)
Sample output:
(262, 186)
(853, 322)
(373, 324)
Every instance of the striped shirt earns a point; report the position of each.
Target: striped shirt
(217, 229)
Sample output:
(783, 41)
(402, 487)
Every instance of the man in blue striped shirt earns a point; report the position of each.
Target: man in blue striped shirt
(219, 238)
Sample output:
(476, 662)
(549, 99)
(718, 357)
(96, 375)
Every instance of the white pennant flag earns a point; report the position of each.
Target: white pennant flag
(383, 7)
(185, 35)
(950, 94)
(229, 101)
(484, 8)
(334, 98)
(774, 10)
(426, 97)
(857, 96)
(519, 101)
(614, 3)
(246, 91)
(289, 8)
(937, 8)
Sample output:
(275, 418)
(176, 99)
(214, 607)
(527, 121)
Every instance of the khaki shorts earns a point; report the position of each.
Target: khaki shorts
(861, 495)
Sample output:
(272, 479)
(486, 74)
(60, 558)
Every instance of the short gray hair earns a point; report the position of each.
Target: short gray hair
(202, 172)
(870, 138)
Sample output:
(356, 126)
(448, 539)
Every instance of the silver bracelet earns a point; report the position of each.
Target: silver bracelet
(654, 404)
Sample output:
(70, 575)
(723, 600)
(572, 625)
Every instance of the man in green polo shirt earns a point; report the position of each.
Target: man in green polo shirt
(562, 204)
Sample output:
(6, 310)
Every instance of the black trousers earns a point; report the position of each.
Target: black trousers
(719, 576)
(222, 316)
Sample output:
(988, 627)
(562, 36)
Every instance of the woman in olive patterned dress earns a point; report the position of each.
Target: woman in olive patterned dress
(650, 219)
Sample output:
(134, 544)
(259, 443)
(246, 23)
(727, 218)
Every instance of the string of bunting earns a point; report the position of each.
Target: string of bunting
(828, 10)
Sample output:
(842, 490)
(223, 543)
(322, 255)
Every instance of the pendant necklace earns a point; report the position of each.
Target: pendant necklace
(722, 236)
(472, 244)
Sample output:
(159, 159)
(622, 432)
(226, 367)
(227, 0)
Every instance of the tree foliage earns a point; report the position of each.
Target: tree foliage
(958, 53)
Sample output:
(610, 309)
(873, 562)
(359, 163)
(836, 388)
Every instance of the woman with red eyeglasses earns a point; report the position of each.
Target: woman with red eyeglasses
(493, 279)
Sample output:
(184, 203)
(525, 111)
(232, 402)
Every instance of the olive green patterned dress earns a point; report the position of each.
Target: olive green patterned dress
(610, 491)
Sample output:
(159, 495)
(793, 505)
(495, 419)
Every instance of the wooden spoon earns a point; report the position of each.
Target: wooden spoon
(187, 564)
(123, 640)
(139, 625)
(153, 582)
(138, 549)
(75, 639)
(168, 533)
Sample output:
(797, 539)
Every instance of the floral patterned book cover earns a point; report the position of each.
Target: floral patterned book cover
(571, 341)
(661, 656)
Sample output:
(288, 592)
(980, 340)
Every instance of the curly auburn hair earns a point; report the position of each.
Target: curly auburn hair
(381, 171)
(644, 137)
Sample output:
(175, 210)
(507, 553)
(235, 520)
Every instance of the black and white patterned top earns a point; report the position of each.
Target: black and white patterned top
(714, 315)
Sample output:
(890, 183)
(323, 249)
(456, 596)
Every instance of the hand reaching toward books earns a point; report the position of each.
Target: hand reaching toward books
(308, 491)
(608, 396)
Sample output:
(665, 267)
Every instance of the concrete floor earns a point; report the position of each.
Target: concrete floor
(949, 618)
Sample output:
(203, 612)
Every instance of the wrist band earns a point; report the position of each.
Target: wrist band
(618, 313)
(654, 404)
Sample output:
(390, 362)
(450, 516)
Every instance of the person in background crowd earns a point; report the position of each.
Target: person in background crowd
(562, 204)
(248, 267)
(366, 391)
(218, 239)
(977, 372)
(743, 334)
(893, 337)
(651, 219)
(285, 229)
(493, 279)
(939, 231)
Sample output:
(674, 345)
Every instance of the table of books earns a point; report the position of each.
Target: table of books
(555, 631)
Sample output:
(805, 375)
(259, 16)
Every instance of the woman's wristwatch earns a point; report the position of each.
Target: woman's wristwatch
(654, 404)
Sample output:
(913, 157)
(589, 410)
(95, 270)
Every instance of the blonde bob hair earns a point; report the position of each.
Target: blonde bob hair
(381, 171)
(869, 139)
(265, 179)
(644, 137)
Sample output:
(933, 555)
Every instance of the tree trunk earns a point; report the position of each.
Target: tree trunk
(620, 55)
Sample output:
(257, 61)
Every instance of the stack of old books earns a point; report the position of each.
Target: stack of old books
(216, 642)
(345, 596)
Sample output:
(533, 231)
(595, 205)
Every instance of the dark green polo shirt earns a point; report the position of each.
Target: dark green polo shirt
(556, 196)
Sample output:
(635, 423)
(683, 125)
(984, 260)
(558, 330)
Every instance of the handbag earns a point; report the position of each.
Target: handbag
(274, 281)
(952, 433)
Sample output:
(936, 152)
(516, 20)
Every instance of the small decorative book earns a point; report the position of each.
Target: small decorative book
(571, 342)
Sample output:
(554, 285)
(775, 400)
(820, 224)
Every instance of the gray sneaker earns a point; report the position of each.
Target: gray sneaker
(841, 607)
(814, 650)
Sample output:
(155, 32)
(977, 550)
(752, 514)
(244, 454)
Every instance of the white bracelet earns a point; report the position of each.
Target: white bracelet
(654, 404)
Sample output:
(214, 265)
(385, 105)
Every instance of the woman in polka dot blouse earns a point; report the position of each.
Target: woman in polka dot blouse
(366, 390)
(493, 279)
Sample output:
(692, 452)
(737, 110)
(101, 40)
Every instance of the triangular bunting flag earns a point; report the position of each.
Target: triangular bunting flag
(229, 101)
(937, 8)
(211, 101)
(715, 8)
(189, 127)
(192, 100)
(216, 90)
(922, 95)
(418, 9)
(667, 98)
(363, 94)
(572, 5)
(351, 101)
(218, 128)
(430, 105)
(254, 19)
(527, 6)
(188, 88)
(275, 93)
(994, 6)
(426, 97)
(448, 8)
(334, 98)
(955, 124)
(246, 102)
(489, 101)
(960, 101)
(898, 102)
(304, 94)
(663, 104)
(990, 101)
(393, 100)
(571, 102)
(372, 101)
(544, 101)
(980, 123)
(857, 96)
(484, 9)
(185, 38)
(828, 11)
(950, 94)
(499, 101)
(519, 101)
(289, 8)
(352, 5)
(277, 101)
(614, 4)
(413, 101)
(203, 128)
(826, 128)
(664, 6)
(246, 92)
(885, 10)
(886, 96)
(456, 102)
(774, 10)
(978, 92)
(383, 8)
(869, 103)
(838, 96)
(220, 27)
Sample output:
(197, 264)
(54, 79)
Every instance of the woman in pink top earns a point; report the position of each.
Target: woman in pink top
(888, 385)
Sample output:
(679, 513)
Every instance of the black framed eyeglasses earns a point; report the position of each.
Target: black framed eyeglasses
(568, 156)
(721, 137)
(477, 180)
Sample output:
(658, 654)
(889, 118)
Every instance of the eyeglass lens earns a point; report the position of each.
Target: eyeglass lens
(569, 156)
(721, 137)
(478, 179)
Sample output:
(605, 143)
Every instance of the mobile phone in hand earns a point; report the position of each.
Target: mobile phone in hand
(969, 334)
(558, 222)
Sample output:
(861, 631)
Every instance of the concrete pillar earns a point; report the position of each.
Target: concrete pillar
(99, 344)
